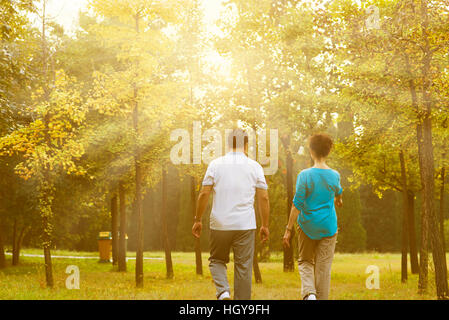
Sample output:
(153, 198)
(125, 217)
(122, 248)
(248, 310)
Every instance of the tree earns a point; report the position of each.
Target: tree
(404, 50)
(2, 249)
(165, 239)
(147, 92)
(49, 146)
(114, 228)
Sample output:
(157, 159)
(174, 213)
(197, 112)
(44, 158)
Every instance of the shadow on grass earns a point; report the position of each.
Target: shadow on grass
(23, 268)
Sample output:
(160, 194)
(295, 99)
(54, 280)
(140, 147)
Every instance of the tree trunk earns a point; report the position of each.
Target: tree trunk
(14, 261)
(405, 210)
(138, 181)
(257, 274)
(46, 187)
(424, 250)
(123, 227)
(412, 233)
(442, 212)
(435, 239)
(198, 259)
(423, 254)
(46, 237)
(17, 244)
(114, 228)
(427, 163)
(423, 281)
(288, 252)
(168, 260)
(2, 249)
(140, 225)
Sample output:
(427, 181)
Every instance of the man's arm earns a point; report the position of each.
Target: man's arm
(264, 210)
(203, 199)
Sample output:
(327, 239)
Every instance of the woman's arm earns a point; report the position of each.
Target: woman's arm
(338, 201)
(291, 221)
(298, 204)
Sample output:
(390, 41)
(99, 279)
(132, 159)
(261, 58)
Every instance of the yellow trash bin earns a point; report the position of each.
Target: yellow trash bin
(105, 246)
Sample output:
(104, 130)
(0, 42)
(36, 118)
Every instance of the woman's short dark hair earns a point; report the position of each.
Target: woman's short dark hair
(320, 144)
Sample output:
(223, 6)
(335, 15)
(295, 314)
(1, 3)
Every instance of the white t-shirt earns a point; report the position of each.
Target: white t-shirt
(235, 178)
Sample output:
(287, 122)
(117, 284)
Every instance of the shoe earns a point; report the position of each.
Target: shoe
(311, 296)
(224, 296)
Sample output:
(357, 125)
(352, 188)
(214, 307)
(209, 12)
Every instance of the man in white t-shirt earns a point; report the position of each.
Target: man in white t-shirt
(234, 180)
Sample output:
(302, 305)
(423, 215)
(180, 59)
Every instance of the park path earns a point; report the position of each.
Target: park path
(76, 257)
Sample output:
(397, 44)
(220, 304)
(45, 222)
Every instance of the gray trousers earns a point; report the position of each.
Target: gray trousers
(314, 265)
(242, 244)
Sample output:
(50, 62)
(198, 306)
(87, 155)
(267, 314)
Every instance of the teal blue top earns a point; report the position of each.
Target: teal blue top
(314, 198)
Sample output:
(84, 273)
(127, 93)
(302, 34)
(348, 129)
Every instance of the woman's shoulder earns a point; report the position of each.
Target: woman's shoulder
(314, 171)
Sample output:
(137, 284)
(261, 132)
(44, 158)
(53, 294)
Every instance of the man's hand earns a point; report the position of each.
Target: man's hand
(264, 234)
(196, 229)
(201, 204)
(286, 238)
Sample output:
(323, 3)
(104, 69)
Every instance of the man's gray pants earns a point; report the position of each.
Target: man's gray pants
(242, 244)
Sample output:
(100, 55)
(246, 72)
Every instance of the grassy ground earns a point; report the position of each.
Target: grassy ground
(101, 281)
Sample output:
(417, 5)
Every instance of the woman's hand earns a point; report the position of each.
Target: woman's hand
(338, 201)
(286, 238)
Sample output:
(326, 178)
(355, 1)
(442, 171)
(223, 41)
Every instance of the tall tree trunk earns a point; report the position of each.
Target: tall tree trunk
(138, 181)
(424, 250)
(412, 233)
(255, 110)
(423, 281)
(17, 243)
(123, 229)
(14, 261)
(114, 228)
(257, 274)
(198, 259)
(438, 254)
(140, 224)
(46, 187)
(288, 252)
(46, 237)
(165, 239)
(2, 249)
(443, 240)
(405, 210)
(434, 234)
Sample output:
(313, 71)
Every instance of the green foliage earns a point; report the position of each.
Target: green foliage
(351, 234)
(381, 219)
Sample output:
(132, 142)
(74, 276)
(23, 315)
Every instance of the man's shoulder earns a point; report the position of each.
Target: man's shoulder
(254, 163)
(217, 161)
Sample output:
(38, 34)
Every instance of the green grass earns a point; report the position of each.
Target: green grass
(102, 281)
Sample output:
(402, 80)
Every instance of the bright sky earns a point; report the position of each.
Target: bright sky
(65, 12)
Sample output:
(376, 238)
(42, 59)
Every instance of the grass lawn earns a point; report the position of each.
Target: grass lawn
(101, 281)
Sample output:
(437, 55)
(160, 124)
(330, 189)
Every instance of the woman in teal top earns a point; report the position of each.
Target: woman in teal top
(318, 191)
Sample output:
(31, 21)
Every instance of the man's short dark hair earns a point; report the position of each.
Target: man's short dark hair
(238, 138)
(321, 144)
